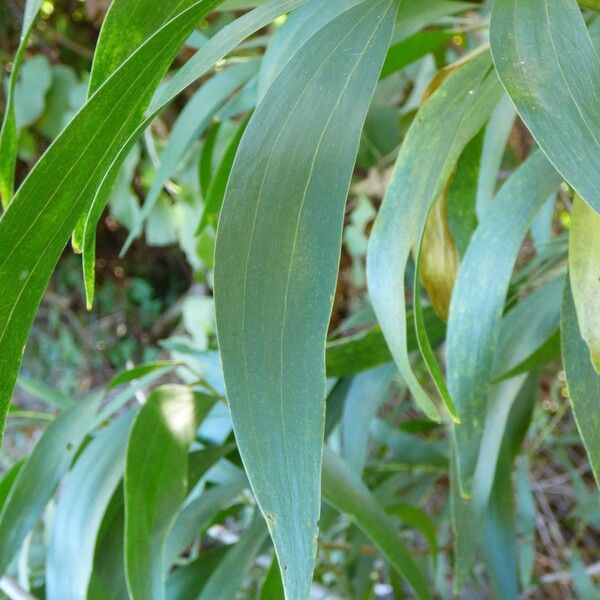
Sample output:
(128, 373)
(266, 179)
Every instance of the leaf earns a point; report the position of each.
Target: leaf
(84, 237)
(345, 492)
(272, 588)
(40, 475)
(8, 133)
(583, 382)
(549, 67)
(6, 483)
(584, 272)
(84, 498)
(368, 349)
(191, 123)
(216, 190)
(368, 391)
(228, 577)
(205, 164)
(141, 371)
(61, 185)
(276, 268)
(442, 128)
(156, 472)
(478, 300)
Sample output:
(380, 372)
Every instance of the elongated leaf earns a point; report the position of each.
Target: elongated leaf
(368, 391)
(189, 581)
(156, 471)
(140, 371)
(276, 266)
(83, 501)
(272, 588)
(227, 578)
(344, 490)
(368, 349)
(84, 238)
(60, 187)
(550, 69)
(583, 382)
(7, 481)
(9, 133)
(444, 125)
(478, 300)
(584, 258)
(191, 124)
(40, 475)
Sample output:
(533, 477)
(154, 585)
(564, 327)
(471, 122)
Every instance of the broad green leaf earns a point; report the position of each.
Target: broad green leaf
(276, 265)
(84, 498)
(216, 190)
(550, 69)
(61, 185)
(478, 301)
(584, 258)
(40, 475)
(368, 392)
(228, 577)
(368, 349)
(272, 588)
(191, 123)
(9, 133)
(344, 490)
(156, 475)
(583, 382)
(442, 128)
(84, 236)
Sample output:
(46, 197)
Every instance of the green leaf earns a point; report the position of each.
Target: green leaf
(550, 69)
(344, 490)
(156, 472)
(368, 349)
(272, 588)
(141, 371)
(478, 300)
(441, 130)
(61, 185)
(8, 133)
(84, 237)
(228, 577)
(40, 475)
(276, 264)
(583, 382)
(216, 190)
(83, 500)
(584, 258)
(6, 483)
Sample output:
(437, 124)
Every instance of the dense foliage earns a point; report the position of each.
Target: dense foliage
(243, 414)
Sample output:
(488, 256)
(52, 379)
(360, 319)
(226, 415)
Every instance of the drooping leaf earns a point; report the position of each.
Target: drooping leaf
(584, 273)
(84, 237)
(583, 382)
(140, 371)
(344, 490)
(550, 69)
(8, 132)
(442, 128)
(156, 472)
(40, 475)
(479, 297)
(83, 500)
(62, 184)
(276, 263)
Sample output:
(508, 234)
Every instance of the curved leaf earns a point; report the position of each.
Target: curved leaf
(156, 475)
(549, 67)
(478, 301)
(276, 263)
(40, 475)
(83, 500)
(442, 128)
(61, 185)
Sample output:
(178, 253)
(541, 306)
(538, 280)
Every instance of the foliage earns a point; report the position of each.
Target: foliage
(259, 422)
